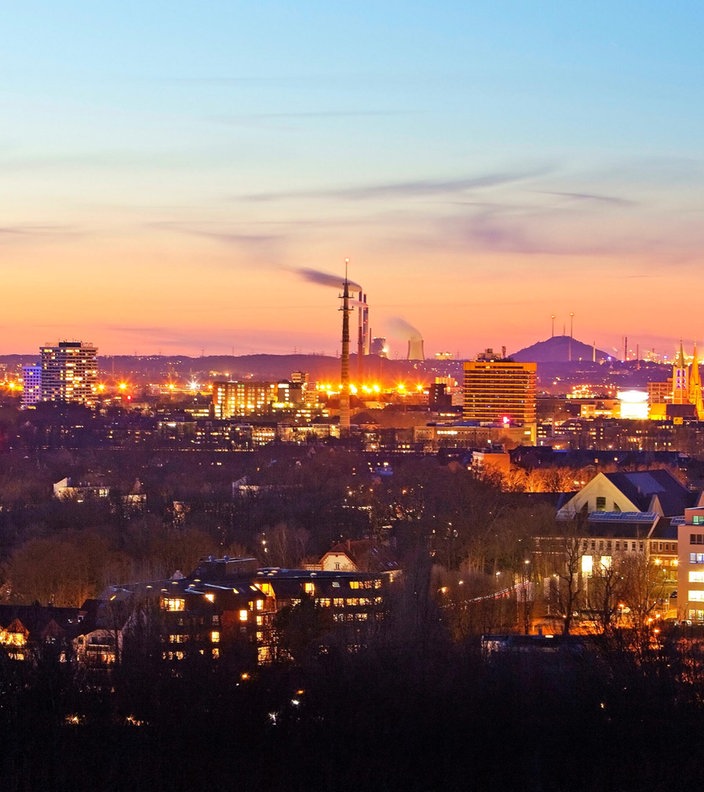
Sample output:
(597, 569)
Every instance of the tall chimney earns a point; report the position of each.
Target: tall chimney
(362, 334)
(345, 361)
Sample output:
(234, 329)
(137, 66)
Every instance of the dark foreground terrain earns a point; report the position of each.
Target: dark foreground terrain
(424, 716)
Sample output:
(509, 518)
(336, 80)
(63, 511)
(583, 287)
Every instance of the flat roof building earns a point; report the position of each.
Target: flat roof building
(690, 581)
(69, 372)
(32, 387)
(500, 391)
(231, 399)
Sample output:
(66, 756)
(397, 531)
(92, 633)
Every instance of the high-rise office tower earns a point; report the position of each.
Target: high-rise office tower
(69, 372)
(500, 391)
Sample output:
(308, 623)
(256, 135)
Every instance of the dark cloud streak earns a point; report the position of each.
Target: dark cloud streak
(593, 198)
(409, 189)
(325, 279)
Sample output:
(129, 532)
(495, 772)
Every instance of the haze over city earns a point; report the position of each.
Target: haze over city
(170, 170)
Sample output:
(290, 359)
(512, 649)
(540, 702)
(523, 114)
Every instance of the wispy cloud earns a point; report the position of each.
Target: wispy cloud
(261, 245)
(592, 198)
(26, 232)
(147, 159)
(552, 233)
(238, 119)
(153, 335)
(409, 189)
(656, 170)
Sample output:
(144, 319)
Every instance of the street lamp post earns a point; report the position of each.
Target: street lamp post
(524, 596)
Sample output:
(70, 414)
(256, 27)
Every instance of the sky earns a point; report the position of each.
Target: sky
(170, 169)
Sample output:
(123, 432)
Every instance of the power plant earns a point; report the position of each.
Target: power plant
(415, 349)
(413, 336)
(353, 296)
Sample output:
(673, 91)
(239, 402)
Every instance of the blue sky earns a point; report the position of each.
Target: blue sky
(169, 168)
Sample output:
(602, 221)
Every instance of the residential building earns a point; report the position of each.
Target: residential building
(231, 399)
(655, 491)
(67, 490)
(359, 555)
(227, 609)
(690, 583)
(622, 522)
(69, 372)
(32, 385)
(30, 632)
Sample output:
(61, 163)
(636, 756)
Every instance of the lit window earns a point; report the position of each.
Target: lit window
(215, 636)
(695, 596)
(309, 588)
(174, 604)
(244, 615)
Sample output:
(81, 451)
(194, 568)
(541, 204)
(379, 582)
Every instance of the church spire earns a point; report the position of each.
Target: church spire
(679, 363)
(695, 386)
(680, 378)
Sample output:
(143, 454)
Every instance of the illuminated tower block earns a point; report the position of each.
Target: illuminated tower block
(32, 390)
(232, 399)
(500, 392)
(69, 372)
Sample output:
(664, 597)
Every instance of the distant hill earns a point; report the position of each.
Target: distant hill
(258, 367)
(560, 349)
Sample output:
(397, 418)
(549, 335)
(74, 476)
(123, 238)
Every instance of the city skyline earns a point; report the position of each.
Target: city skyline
(171, 172)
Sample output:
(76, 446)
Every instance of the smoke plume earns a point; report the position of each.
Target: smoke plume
(323, 279)
(401, 327)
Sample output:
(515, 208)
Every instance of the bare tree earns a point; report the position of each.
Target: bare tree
(558, 559)
(606, 590)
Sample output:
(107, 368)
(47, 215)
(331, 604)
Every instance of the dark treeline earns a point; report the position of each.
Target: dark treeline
(306, 498)
(418, 708)
(414, 715)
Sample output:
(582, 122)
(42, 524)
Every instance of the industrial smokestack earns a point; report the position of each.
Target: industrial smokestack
(363, 333)
(345, 361)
